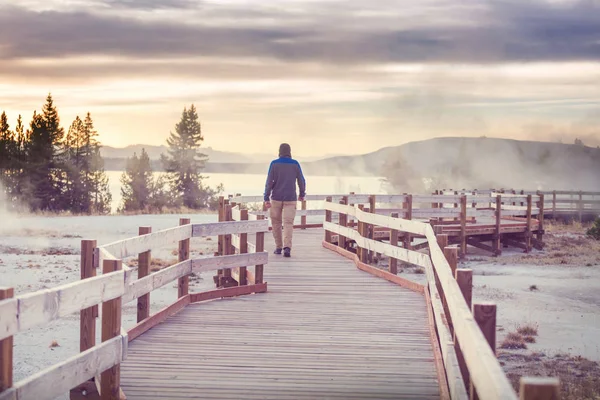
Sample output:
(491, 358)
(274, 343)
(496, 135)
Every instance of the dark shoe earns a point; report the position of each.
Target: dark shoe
(287, 252)
(277, 251)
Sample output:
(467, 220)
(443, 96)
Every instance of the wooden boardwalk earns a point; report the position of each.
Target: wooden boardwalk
(323, 330)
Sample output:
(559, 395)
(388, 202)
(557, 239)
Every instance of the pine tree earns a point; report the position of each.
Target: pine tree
(73, 184)
(99, 191)
(184, 162)
(20, 158)
(7, 153)
(5, 142)
(137, 183)
(43, 153)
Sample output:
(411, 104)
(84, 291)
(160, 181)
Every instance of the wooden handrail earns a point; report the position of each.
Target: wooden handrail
(485, 371)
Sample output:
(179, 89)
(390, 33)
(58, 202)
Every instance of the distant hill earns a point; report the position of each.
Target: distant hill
(451, 162)
(154, 153)
(490, 162)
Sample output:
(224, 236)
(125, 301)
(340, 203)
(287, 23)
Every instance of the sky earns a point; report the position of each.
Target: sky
(326, 76)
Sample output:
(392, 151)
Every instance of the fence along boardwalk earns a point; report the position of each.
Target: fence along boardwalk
(324, 324)
(324, 330)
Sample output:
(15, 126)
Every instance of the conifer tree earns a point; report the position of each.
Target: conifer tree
(184, 162)
(43, 153)
(136, 183)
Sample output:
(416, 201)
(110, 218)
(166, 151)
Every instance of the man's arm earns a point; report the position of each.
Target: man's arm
(269, 184)
(301, 182)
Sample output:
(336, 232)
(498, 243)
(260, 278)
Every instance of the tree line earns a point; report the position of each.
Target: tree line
(42, 168)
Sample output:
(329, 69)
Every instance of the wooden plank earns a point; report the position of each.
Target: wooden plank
(60, 378)
(486, 373)
(375, 271)
(156, 280)
(169, 274)
(226, 228)
(160, 316)
(456, 384)
(183, 283)
(228, 292)
(6, 348)
(139, 244)
(50, 304)
(423, 199)
(111, 328)
(399, 253)
(87, 316)
(236, 213)
(439, 360)
(237, 260)
(144, 259)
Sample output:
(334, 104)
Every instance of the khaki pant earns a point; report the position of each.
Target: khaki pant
(283, 211)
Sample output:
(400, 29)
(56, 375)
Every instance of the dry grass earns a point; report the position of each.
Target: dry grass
(513, 341)
(156, 264)
(579, 377)
(528, 329)
(571, 249)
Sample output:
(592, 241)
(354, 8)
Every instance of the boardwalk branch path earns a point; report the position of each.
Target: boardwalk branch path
(323, 330)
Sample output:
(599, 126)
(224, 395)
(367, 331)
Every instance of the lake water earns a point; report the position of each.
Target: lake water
(254, 184)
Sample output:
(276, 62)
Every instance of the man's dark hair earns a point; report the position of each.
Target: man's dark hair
(285, 150)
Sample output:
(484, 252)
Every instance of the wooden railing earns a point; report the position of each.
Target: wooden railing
(96, 368)
(464, 339)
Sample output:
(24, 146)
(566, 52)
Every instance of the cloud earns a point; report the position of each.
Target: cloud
(505, 32)
(150, 4)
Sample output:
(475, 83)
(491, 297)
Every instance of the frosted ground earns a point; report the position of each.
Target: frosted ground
(38, 252)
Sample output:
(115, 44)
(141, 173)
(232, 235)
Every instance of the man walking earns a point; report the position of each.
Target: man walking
(280, 197)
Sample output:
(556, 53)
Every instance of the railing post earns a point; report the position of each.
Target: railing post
(554, 204)
(539, 388)
(6, 349)
(540, 230)
(183, 284)
(464, 278)
(343, 221)
(87, 317)
(371, 227)
(497, 235)
(451, 254)
(394, 242)
(407, 206)
(111, 327)
(362, 253)
(243, 249)
(485, 316)
(328, 218)
(528, 228)
(303, 218)
(260, 247)
(442, 240)
(221, 219)
(143, 302)
(580, 206)
(463, 225)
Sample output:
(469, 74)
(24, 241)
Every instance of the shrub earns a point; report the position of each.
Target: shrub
(594, 231)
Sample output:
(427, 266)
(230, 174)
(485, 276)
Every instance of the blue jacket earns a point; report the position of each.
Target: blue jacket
(281, 180)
